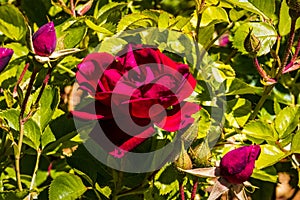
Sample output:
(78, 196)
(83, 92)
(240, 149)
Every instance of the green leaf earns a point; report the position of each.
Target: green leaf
(269, 156)
(235, 86)
(32, 132)
(12, 22)
(247, 6)
(212, 13)
(66, 187)
(70, 33)
(163, 20)
(205, 34)
(13, 195)
(108, 9)
(267, 174)
(296, 143)
(106, 191)
(97, 28)
(266, 34)
(266, 6)
(222, 72)
(238, 112)
(286, 121)
(204, 123)
(135, 19)
(47, 105)
(285, 20)
(47, 137)
(260, 130)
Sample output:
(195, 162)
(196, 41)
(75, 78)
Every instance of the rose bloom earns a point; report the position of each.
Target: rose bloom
(5, 56)
(237, 165)
(44, 40)
(133, 91)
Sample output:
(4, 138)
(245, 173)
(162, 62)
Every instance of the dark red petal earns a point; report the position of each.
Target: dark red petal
(179, 117)
(91, 69)
(44, 40)
(93, 111)
(238, 164)
(132, 143)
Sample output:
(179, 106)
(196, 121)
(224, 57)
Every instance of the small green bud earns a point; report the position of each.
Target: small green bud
(184, 161)
(294, 4)
(252, 43)
(201, 154)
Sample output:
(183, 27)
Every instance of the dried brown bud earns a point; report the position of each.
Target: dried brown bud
(252, 43)
(184, 161)
(294, 4)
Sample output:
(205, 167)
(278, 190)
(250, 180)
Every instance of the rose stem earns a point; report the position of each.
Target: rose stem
(21, 128)
(45, 82)
(181, 190)
(260, 70)
(269, 88)
(20, 79)
(194, 191)
(39, 153)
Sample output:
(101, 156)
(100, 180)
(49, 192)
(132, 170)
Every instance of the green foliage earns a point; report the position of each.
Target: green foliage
(39, 135)
(12, 22)
(66, 186)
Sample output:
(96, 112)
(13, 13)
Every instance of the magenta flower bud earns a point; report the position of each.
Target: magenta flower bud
(5, 56)
(44, 40)
(237, 165)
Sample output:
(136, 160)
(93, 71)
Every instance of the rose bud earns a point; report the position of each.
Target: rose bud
(252, 43)
(5, 56)
(293, 4)
(44, 40)
(184, 161)
(237, 165)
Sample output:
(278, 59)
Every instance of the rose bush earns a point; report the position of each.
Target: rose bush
(135, 90)
(237, 165)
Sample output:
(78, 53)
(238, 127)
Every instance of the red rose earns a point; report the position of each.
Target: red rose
(133, 91)
(237, 165)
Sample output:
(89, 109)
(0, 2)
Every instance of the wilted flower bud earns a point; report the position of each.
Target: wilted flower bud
(252, 43)
(293, 4)
(184, 161)
(85, 8)
(44, 40)
(237, 165)
(5, 56)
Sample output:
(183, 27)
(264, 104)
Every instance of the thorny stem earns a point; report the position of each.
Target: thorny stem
(269, 88)
(194, 191)
(20, 79)
(181, 190)
(21, 129)
(39, 153)
(199, 17)
(260, 70)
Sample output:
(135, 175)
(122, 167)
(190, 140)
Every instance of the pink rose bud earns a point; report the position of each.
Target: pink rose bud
(237, 165)
(5, 56)
(44, 40)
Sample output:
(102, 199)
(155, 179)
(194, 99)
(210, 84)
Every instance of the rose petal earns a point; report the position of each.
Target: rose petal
(93, 111)
(237, 165)
(44, 40)
(179, 117)
(5, 56)
(91, 69)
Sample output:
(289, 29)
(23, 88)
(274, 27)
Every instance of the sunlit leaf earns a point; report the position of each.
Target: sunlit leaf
(266, 34)
(12, 22)
(260, 130)
(66, 187)
(286, 121)
(269, 156)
